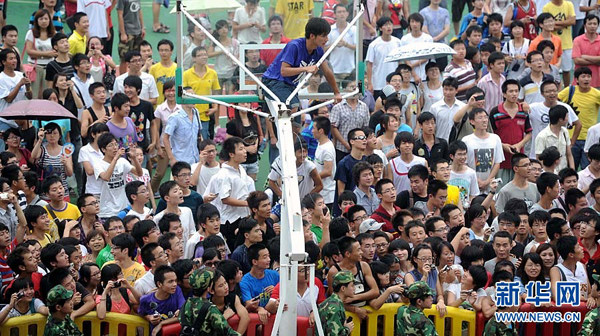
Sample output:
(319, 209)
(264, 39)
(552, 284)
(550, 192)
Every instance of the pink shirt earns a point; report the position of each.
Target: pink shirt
(493, 91)
(583, 46)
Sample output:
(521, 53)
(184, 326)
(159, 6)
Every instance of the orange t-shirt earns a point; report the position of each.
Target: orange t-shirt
(557, 47)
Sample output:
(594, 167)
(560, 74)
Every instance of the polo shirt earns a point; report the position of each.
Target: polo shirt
(583, 46)
(439, 150)
(162, 75)
(77, 43)
(202, 86)
(492, 90)
(464, 74)
(547, 138)
(530, 89)
(587, 104)
(510, 130)
(443, 117)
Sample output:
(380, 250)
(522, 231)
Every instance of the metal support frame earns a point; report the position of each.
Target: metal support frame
(292, 234)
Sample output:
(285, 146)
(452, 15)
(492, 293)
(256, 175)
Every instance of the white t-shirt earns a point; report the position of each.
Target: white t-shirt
(96, 12)
(466, 183)
(378, 50)
(141, 216)
(593, 137)
(305, 182)
(206, 173)
(443, 117)
(7, 84)
(342, 59)
(251, 34)
(400, 171)
(87, 153)
(539, 119)
(112, 193)
(39, 45)
(326, 152)
(145, 284)
(229, 182)
(149, 89)
(483, 153)
(409, 39)
(430, 97)
(456, 288)
(187, 222)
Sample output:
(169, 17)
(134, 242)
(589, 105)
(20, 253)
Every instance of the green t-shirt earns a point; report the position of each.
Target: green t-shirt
(104, 256)
(318, 231)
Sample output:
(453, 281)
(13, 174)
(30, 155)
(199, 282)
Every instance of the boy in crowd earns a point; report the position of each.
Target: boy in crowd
(252, 234)
(386, 192)
(144, 232)
(78, 40)
(343, 175)
(491, 84)
(325, 158)
(462, 175)
(461, 69)
(138, 196)
(377, 69)
(209, 223)
(399, 166)
(113, 227)
(62, 61)
(161, 307)
(182, 174)
(10, 39)
(428, 145)
(257, 285)
(332, 312)
(207, 167)
(519, 186)
(417, 194)
(153, 256)
(172, 195)
(172, 245)
(537, 223)
(124, 250)
(556, 135)
(57, 208)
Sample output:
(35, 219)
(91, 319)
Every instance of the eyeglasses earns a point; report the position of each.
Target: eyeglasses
(93, 203)
(360, 137)
(185, 175)
(13, 138)
(567, 232)
(382, 245)
(360, 218)
(428, 259)
(444, 229)
(117, 228)
(112, 145)
(222, 250)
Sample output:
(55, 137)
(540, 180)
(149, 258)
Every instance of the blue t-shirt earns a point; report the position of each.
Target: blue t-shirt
(310, 140)
(252, 287)
(467, 19)
(166, 308)
(296, 55)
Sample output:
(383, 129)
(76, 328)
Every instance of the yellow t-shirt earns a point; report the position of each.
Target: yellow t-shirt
(77, 43)
(71, 212)
(562, 13)
(587, 104)
(161, 76)
(202, 86)
(453, 195)
(131, 274)
(296, 14)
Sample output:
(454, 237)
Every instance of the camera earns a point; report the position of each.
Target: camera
(117, 284)
(20, 295)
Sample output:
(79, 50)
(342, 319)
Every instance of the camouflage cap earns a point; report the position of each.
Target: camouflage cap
(58, 293)
(342, 278)
(596, 278)
(201, 278)
(419, 290)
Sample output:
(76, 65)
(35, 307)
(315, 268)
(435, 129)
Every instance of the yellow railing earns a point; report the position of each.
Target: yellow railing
(388, 312)
(112, 321)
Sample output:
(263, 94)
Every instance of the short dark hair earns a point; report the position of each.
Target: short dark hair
(49, 253)
(379, 185)
(471, 30)
(572, 196)
(118, 100)
(359, 168)
(161, 271)
(164, 224)
(125, 241)
(322, 123)
(206, 211)
(131, 54)
(166, 188)
(566, 172)
(456, 146)
(494, 57)
(413, 224)
(133, 81)
(582, 71)
(131, 189)
(517, 158)
(382, 21)
(594, 152)
(165, 42)
(566, 245)
(317, 27)
(546, 180)
(404, 137)
(338, 228)
(147, 253)
(179, 166)
(345, 244)
(254, 251)
(229, 146)
(425, 116)
(347, 195)
(77, 16)
(543, 17)
(9, 28)
(141, 229)
(530, 55)
(509, 82)
(434, 186)
(475, 111)
(78, 58)
(15, 259)
(538, 216)
(32, 213)
(554, 227)
(451, 81)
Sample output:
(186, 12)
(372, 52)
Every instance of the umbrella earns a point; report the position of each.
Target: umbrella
(208, 6)
(36, 109)
(419, 51)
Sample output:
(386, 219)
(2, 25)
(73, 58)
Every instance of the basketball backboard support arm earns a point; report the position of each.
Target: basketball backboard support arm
(292, 234)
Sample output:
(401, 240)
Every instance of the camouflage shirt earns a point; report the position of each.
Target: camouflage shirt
(333, 316)
(591, 324)
(66, 327)
(214, 322)
(410, 321)
(495, 328)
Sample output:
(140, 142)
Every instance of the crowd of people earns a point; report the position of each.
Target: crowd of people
(443, 178)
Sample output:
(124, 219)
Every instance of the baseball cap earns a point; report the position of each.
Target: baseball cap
(342, 278)
(57, 294)
(389, 92)
(369, 224)
(419, 290)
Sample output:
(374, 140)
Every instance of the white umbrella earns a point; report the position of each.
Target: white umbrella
(208, 6)
(419, 51)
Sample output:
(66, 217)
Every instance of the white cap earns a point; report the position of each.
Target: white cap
(369, 225)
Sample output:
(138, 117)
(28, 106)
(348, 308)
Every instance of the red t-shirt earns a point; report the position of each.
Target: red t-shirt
(268, 55)
(586, 254)
(510, 130)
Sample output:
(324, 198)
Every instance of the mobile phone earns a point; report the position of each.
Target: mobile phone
(4, 196)
(117, 284)
(20, 295)
(349, 319)
(445, 268)
(325, 211)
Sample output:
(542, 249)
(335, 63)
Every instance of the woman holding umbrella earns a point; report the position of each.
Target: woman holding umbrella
(50, 156)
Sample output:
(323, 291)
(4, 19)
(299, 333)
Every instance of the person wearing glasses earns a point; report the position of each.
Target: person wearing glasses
(182, 175)
(113, 226)
(153, 256)
(423, 261)
(519, 187)
(133, 59)
(89, 206)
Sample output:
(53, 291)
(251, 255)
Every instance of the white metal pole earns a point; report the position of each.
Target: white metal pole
(215, 101)
(333, 45)
(331, 101)
(230, 55)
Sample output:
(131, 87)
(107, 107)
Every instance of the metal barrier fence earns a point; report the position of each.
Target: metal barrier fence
(388, 311)
(111, 324)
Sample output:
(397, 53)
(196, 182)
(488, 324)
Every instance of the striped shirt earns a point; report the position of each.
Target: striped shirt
(52, 165)
(465, 74)
(510, 130)
(492, 90)
(530, 90)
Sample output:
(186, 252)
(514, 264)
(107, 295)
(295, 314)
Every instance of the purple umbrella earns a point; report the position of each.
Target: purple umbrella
(36, 109)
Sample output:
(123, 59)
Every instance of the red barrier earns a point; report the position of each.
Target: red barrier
(480, 322)
(548, 328)
(253, 327)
